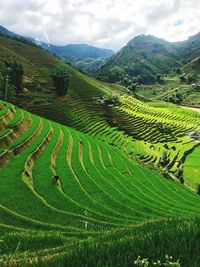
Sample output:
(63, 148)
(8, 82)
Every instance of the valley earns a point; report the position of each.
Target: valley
(98, 173)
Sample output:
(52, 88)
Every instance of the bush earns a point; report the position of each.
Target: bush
(110, 99)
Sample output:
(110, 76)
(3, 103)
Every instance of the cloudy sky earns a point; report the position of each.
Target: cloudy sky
(104, 23)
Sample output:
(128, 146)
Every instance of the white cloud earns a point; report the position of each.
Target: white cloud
(110, 23)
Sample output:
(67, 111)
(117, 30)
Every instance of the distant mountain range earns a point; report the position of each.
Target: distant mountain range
(146, 57)
(85, 57)
(7, 32)
(142, 60)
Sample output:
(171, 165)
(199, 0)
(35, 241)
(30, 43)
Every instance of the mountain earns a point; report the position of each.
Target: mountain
(140, 60)
(145, 57)
(190, 49)
(7, 32)
(74, 52)
(189, 53)
(85, 57)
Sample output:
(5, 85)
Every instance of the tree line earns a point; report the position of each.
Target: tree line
(12, 80)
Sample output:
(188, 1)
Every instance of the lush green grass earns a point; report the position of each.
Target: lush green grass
(191, 169)
(100, 189)
(119, 247)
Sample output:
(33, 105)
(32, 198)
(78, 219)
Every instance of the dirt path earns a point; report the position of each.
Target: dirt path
(194, 109)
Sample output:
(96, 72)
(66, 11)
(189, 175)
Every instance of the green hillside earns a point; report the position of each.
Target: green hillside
(38, 66)
(84, 57)
(190, 49)
(155, 68)
(143, 58)
(98, 189)
(123, 164)
(156, 135)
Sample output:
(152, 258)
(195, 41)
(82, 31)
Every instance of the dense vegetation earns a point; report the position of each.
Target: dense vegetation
(145, 59)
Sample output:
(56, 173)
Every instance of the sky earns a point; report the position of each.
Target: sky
(103, 23)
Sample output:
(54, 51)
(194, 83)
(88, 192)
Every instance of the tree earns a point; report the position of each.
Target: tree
(11, 94)
(61, 81)
(127, 81)
(182, 78)
(178, 71)
(16, 73)
(2, 86)
(116, 74)
(164, 160)
(132, 87)
(178, 98)
(191, 78)
(7, 90)
(158, 77)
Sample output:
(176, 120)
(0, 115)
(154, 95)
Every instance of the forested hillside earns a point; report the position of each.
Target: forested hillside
(148, 60)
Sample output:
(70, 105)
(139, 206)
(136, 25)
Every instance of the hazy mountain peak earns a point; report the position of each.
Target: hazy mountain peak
(5, 31)
(144, 39)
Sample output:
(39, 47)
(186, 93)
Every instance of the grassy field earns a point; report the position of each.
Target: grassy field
(99, 190)
(191, 168)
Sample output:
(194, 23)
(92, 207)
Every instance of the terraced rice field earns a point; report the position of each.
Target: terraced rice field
(99, 189)
(154, 134)
(191, 169)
